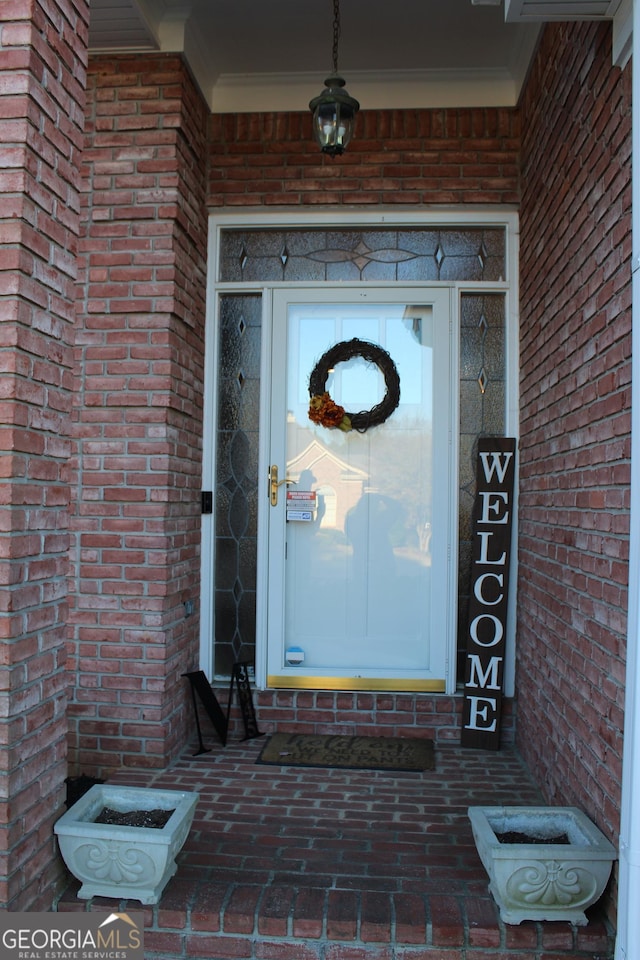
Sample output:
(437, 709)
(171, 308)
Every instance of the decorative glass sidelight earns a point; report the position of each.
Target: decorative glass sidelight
(236, 487)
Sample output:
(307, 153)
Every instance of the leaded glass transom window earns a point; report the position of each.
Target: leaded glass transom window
(292, 256)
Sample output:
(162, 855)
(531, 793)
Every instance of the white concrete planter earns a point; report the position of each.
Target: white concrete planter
(538, 880)
(124, 861)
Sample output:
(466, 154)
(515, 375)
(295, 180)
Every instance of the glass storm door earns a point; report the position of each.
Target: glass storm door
(360, 522)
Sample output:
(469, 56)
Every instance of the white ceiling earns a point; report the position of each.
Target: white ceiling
(253, 55)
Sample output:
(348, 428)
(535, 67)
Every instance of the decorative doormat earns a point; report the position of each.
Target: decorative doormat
(352, 753)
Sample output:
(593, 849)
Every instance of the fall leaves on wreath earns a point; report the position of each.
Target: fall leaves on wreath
(326, 412)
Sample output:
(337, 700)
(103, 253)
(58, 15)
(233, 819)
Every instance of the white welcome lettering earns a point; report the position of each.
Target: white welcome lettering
(479, 585)
(495, 503)
(497, 466)
(488, 600)
(484, 548)
(478, 713)
(498, 630)
(482, 676)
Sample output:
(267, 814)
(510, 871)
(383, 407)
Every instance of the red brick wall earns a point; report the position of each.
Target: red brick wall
(138, 413)
(575, 419)
(42, 77)
(412, 157)
(375, 714)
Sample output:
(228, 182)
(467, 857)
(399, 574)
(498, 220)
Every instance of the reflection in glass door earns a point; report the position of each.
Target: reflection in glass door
(360, 522)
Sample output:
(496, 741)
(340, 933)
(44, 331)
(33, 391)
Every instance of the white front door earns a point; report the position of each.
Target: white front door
(360, 524)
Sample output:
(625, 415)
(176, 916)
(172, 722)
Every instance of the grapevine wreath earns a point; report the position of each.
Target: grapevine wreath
(324, 410)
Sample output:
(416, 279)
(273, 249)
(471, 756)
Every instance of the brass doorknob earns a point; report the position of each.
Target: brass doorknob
(274, 483)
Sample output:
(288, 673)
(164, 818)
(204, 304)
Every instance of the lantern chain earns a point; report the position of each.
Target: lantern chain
(336, 33)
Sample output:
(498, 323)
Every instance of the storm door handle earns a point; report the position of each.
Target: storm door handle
(274, 483)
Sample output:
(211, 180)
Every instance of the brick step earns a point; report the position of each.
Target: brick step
(381, 714)
(254, 922)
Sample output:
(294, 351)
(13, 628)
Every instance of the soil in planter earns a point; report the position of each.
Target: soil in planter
(514, 836)
(156, 819)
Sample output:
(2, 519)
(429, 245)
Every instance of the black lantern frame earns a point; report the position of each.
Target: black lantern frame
(334, 110)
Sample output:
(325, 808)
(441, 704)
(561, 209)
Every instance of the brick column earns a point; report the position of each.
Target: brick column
(140, 370)
(43, 50)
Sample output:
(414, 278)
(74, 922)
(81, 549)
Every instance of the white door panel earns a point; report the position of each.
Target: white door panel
(360, 586)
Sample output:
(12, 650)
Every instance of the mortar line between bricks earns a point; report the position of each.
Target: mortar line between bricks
(325, 913)
(256, 913)
(225, 903)
(428, 922)
(392, 910)
(465, 927)
(197, 887)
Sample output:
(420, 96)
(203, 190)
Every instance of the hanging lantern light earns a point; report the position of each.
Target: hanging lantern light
(334, 111)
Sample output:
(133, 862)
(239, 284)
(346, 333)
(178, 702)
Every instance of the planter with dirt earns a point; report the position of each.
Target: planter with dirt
(123, 841)
(544, 863)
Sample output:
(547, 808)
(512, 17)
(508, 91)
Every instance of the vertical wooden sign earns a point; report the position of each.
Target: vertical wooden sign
(492, 523)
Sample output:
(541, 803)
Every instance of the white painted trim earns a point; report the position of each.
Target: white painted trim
(622, 34)
(628, 918)
(518, 11)
(451, 622)
(264, 449)
(207, 543)
(394, 89)
(619, 12)
(512, 429)
(472, 216)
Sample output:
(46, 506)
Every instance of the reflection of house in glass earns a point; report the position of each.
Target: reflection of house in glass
(338, 484)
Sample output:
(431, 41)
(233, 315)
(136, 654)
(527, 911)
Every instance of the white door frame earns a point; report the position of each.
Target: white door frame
(444, 622)
(433, 218)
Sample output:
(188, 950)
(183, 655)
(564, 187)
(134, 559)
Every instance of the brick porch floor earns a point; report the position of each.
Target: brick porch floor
(315, 864)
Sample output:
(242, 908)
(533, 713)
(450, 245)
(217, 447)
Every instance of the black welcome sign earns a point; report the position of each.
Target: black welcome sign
(491, 557)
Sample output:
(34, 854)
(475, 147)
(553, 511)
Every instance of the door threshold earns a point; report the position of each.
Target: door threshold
(355, 683)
